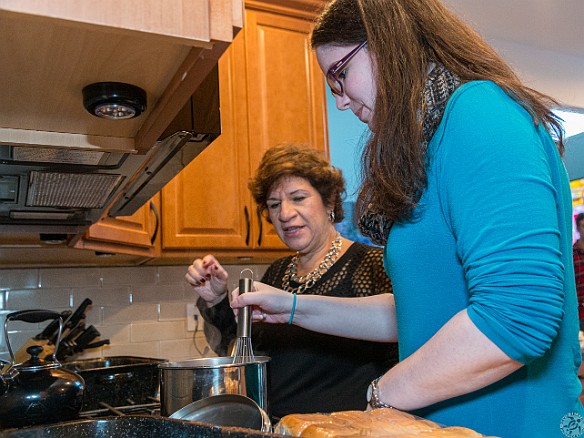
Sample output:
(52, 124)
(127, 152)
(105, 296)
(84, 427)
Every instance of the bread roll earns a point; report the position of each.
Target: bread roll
(383, 422)
(329, 430)
(294, 424)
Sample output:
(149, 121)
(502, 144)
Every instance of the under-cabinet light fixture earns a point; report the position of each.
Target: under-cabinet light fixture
(114, 100)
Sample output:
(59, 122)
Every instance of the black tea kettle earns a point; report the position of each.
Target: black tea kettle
(38, 391)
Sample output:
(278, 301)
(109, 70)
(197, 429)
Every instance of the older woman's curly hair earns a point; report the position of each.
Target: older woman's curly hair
(302, 161)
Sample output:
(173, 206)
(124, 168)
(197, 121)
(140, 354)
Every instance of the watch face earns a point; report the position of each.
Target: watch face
(369, 393)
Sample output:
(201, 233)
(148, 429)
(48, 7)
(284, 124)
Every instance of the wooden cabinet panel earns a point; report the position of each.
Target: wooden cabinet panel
(286, 91)
(286, 86)
(204, 206)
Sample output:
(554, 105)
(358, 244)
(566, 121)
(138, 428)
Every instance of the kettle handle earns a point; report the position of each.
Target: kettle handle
(33, 316)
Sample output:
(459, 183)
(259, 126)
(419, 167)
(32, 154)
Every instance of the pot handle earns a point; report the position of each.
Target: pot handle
(33, 316)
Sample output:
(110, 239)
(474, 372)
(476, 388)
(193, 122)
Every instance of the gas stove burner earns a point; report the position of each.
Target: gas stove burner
(150, 409)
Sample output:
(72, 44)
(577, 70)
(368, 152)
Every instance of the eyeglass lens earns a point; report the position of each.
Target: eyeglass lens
(332, 76)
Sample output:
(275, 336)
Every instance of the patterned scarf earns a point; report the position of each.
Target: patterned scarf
(440, 85)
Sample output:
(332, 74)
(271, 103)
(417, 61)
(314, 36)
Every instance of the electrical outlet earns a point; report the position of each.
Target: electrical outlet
(193, 317)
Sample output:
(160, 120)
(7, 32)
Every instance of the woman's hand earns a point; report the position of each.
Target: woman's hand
(268, 303)
(209, 279)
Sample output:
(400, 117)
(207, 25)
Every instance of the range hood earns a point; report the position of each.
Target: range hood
(63, 190)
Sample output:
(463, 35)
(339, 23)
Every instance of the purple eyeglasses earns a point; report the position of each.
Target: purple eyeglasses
(332, 76)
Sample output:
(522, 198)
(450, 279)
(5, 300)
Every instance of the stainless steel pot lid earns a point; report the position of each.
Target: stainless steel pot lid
(227, 410)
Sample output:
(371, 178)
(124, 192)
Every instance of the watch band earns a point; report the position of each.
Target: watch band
(373, 396)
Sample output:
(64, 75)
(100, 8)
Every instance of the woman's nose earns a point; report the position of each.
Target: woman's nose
(286, 211)
(342, 102)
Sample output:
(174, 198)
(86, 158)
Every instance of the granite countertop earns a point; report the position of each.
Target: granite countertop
(132, 426)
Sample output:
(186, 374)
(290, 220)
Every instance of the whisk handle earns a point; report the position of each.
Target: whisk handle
(244, 314)
(244, 322)
(245, 285)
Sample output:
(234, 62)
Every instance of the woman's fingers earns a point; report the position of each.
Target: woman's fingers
(268, 303)
(196, 274)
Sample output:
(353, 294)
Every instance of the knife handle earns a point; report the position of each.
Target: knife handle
(74, 318)
(78, 315)
(88, 335)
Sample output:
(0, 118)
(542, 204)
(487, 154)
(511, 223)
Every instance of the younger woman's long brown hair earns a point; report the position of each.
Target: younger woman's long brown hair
(403, 37)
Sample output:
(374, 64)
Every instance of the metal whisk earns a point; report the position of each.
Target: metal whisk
(243, 352)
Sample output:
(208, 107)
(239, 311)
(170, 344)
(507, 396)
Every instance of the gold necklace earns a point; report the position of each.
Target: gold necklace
(308, 280)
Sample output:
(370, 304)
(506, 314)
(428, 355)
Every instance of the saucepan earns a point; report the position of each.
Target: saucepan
(182, 383)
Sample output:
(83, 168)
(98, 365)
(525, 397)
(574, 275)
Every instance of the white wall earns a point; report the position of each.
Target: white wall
(555, 73)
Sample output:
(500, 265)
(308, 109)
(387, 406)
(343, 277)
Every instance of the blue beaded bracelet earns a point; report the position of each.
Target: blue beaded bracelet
(293, 310)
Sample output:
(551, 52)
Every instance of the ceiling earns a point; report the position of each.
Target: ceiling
(545, 24)
(542, 40)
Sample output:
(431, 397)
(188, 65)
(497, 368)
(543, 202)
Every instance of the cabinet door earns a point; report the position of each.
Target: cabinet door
(206, 206)
(286, 91)
(125, 234)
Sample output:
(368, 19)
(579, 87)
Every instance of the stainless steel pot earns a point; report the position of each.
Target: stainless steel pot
(182, 383)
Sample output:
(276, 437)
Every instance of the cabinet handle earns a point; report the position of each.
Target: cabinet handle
(157, 217)
(261, 225)
(247, 223)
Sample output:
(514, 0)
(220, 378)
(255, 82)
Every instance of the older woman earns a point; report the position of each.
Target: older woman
(300, 193)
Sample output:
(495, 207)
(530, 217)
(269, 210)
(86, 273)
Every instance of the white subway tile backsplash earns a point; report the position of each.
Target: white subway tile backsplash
(50, 299)
(116, 333)
(156, 293)
(172, 311)
(106, 296)
(129, 276)
(171, 274)
(128, 314)
(157, 331)
(19, 278)
(57, 277)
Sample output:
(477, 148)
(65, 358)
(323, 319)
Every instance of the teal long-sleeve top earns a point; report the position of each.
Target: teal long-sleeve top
(492, 234)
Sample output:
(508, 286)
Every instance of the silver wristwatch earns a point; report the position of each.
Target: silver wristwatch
(373, 396)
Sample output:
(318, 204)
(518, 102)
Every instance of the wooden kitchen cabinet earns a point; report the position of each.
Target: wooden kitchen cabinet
(271, 92)
(134, 234)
